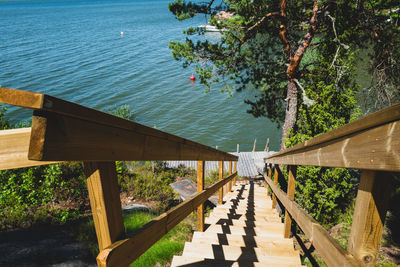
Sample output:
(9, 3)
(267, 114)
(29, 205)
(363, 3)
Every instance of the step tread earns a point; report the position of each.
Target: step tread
(234, 253)
(248, 223)
(276, 230)
(192, 262)
(240, 240)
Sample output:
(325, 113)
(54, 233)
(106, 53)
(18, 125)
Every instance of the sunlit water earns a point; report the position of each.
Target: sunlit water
(74, 50)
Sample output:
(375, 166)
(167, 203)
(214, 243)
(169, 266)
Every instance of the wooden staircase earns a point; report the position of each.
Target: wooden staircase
(244, 231)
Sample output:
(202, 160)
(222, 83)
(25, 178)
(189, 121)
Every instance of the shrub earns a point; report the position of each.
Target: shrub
(51, 193)
(325, 192)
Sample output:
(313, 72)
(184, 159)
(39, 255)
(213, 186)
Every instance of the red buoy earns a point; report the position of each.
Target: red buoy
(192, 78)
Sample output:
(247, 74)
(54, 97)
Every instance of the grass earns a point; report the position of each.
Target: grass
(160, 253)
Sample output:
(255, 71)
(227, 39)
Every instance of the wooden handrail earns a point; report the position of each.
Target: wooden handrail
(14, 146)
(371, 144)
(125, 251)
(56, 126)
(373, 120)
(376, 148)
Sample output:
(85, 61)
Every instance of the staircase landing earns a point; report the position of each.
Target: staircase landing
(244, 231)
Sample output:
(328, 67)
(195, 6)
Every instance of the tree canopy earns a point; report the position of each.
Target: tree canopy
(285, 48)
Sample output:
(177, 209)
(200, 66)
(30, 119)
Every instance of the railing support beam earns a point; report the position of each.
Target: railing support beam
(276, 173)
(269, 173)
(230, 172)
(369, 215)
(290, 193)
(221, 174)
(234, 170)
(105, 202)
(200, 187)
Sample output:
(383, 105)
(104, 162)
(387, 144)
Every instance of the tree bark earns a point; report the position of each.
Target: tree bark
(291, 111)
(291, 72)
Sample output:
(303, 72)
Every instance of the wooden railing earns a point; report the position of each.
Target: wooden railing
(64, 131)
(371, 144)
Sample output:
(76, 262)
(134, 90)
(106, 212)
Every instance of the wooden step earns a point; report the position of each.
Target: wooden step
(245, 198)
(260, 194)
(193, 262)
(258, 207)
(245, 201)
(234, 253)
(244, 211)
(275, 230)
(248, 223)
(243, 215)
(250, 208)
(224, 216)
(244, 231)
(240, 240)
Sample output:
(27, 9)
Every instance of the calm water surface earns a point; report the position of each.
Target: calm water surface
(74, 50)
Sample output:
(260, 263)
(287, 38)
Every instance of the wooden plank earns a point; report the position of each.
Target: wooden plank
(378, 118)
(234, 253)
(59, 137)
(126, 251)
(276, 173)
(329, 249)
(45, 102)
(290, 194)
(373, 149)
(102, 183)
(234, 170)
(200, 188)
(221, 174)
(230, 172)
(269, 173)
(369, 215)
(14, 145)
(21, 98)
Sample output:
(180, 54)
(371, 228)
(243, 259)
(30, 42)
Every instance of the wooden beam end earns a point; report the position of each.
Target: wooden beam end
(37, 138)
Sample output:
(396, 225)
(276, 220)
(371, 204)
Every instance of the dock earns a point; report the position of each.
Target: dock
(250, 164)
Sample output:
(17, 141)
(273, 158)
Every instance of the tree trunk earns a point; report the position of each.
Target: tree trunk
(291, 72)
(291, 111)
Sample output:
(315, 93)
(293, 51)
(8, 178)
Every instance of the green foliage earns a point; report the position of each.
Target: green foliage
(142, 183)
(4, 122)
(41, 194)
(249, 55)
(213, 177)
(325, 193)
(123, 111)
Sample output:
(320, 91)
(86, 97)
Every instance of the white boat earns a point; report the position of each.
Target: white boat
(210, 28)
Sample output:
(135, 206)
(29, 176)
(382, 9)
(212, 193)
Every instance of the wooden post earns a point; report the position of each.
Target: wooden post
(230, 172)
(105, 202)
(237, 148)
(275, 182)
(254, 145)
(265, 172)
(270, 175)
(266, 149)
(221, 174)
(290, 193)
(200, 187)
(266, 166)
(234, 170)
(369, 215)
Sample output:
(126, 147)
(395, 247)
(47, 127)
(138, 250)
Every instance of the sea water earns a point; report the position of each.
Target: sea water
(104, 54)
